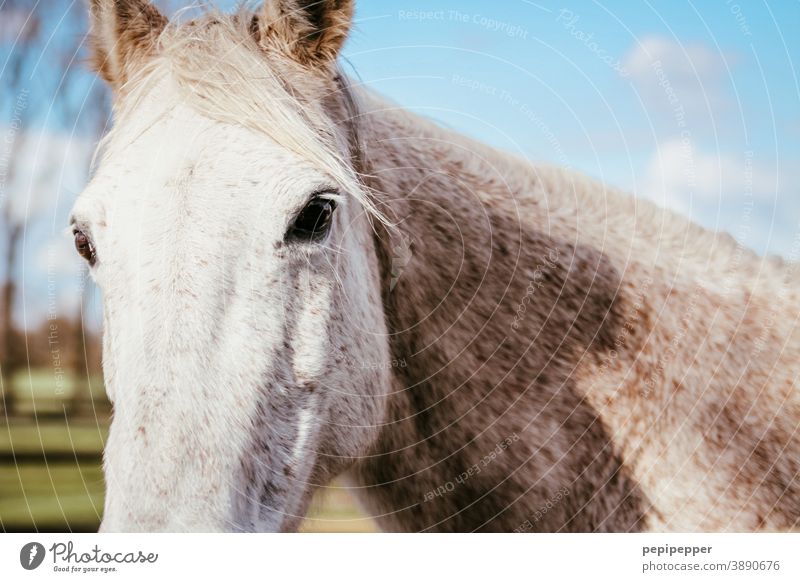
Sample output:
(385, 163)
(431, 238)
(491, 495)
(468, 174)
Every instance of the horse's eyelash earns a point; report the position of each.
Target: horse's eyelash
(337, 197)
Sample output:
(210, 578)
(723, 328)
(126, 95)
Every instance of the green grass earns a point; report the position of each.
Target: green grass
(58, 493)
(61, 493)
(40, 390)
(335, 510)
(51, 497)
(22, 435)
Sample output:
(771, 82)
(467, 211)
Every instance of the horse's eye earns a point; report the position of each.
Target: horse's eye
(84, 246)
(314, 221)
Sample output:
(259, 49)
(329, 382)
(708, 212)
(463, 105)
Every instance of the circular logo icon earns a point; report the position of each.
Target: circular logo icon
(31, 555)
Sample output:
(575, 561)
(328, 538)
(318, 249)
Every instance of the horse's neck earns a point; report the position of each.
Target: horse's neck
(444, 280)
(438, 186)
(489, 317)
(421, 195)
(502, 333)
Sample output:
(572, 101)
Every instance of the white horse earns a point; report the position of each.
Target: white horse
(302, 281)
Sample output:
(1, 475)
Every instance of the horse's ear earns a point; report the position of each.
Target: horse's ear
(122, 32)
(312, 31)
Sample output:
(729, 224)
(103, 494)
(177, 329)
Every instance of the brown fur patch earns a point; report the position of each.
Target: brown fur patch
(122, 33)
(312, 31)
(474, 379)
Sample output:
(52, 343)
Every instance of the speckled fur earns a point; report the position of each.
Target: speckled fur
(574, 359)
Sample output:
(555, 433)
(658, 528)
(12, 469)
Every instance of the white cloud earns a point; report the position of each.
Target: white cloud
(679, 176)
(677, 79)
(676, 58)
(701, 164)
(751, 198)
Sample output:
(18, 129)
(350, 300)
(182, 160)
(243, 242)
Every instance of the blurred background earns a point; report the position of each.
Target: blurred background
(694, 106)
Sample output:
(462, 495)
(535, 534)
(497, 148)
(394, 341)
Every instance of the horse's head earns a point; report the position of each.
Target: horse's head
(244, 339)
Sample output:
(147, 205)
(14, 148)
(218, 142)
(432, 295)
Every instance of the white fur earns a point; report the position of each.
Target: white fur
(186, 213)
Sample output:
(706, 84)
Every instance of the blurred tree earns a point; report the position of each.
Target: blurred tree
(82, 365)
(43, 83)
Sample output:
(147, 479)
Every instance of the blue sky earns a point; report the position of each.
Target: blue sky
(693, 105)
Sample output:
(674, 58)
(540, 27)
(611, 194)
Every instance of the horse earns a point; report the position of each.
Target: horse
(304, 282)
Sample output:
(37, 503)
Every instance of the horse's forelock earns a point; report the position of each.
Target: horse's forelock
(218, 68)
